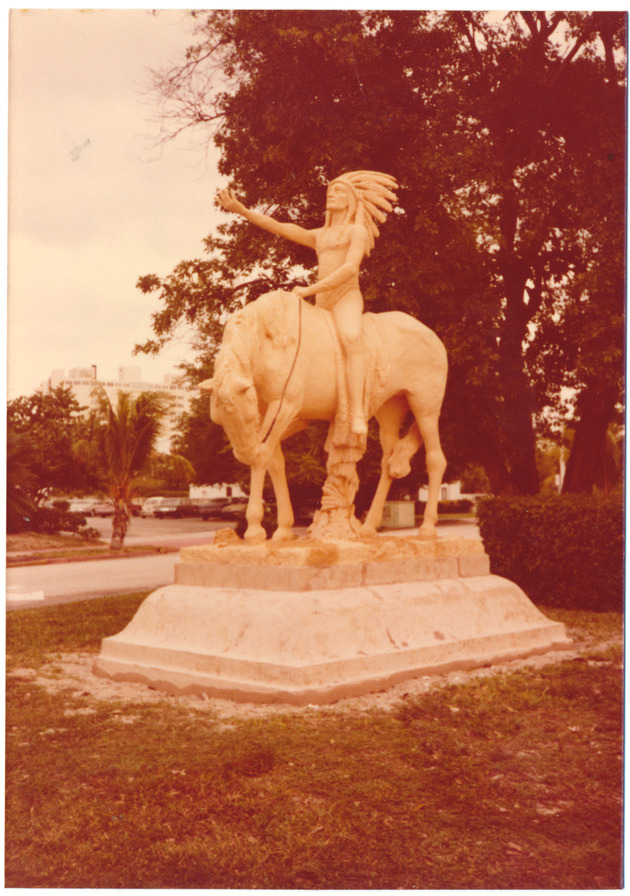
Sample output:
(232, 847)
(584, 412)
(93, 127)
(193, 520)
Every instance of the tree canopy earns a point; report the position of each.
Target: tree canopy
(46, 426)
(506, 133)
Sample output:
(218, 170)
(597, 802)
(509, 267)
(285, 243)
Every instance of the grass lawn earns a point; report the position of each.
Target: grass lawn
(504, 781)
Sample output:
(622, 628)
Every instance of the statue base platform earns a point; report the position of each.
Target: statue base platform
(310, 622)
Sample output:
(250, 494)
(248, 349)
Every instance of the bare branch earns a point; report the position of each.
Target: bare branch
(530, 21)
(465, 19)
(555, 21)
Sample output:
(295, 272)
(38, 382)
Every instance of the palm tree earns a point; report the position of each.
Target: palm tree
(121, 448)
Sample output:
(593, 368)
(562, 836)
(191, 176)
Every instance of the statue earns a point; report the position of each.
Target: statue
(308, 622)
(354, 202)
(284, 362)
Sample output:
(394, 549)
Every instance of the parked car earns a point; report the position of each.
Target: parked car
(210, 508)
(103, 508)
(148, 508)
(234, 510)
(174, 508)
(82, 505)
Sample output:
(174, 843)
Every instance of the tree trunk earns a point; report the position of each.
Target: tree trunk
(518, 424)
(490, 458)
(481, 431)
(120, 524)
(596, 406)
(518, 401)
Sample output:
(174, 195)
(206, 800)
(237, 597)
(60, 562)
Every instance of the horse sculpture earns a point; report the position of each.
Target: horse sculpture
(278, 368)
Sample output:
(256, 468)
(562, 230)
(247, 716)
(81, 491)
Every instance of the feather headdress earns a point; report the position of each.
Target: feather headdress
(374, 193)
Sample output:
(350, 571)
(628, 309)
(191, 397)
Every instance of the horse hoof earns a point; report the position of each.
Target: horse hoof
(255, 535)
(427, 530)
(370, 531)
(398, 467)
(283, 533)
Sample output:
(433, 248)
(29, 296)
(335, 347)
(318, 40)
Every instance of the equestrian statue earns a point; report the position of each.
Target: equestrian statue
(284, 362)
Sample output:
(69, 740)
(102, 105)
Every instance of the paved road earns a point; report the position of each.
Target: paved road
(150, 531)
(61, 582)
(65, 582)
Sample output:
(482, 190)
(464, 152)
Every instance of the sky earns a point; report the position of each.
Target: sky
(92, 203)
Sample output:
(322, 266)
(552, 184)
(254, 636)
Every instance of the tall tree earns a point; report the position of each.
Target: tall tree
(120, 448)
(21, 480)
(493, 126)
(48, 426)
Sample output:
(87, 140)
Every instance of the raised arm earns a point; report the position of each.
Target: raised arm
(289, 231)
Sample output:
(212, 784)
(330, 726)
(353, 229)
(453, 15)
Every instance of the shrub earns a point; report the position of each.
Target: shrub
(563, 551)
(462, 505)
(51, 520)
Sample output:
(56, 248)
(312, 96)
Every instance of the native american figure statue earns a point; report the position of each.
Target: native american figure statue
(355, 369)
(355, 202)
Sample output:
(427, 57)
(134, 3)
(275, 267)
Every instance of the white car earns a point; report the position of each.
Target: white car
(150, 506)
(86, 506)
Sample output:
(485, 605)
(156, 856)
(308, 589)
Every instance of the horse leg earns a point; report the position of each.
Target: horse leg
(255, 533)
(436, 463)
(276, 469)
(399, 464)
(390, 418)
(274, 462)
(281, 420)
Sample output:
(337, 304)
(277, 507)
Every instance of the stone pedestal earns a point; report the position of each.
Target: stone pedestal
(313, 622)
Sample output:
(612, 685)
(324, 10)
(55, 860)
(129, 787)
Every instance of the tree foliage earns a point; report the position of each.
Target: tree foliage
(21, 481)
(42, 430)
(507, 135)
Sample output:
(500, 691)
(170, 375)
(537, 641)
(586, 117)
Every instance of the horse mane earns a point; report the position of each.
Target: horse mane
(234, 355)
(266, 318)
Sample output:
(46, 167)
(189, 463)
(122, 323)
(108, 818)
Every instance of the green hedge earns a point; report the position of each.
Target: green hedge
(563, 551)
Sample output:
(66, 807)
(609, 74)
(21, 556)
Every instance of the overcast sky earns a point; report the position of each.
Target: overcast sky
(91, 206)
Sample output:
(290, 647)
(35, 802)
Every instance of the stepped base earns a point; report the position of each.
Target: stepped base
(352, 632)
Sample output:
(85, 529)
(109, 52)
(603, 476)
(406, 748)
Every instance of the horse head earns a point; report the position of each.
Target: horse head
(234, 404)
(257, 341)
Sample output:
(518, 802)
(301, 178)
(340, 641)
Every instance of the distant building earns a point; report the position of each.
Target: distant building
(82, 380)
(223, 490)
(449, 491)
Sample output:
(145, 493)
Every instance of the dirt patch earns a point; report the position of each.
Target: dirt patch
(71, 673)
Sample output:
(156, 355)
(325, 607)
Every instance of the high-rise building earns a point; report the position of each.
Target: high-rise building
(82, 381)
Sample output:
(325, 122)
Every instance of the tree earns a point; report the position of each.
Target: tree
(21, 480)
(496, 130)
(172, 471)
(48, 426)
(120, 448)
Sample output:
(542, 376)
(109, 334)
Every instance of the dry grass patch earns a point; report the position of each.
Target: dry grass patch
(29, 542)
(78, 550)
